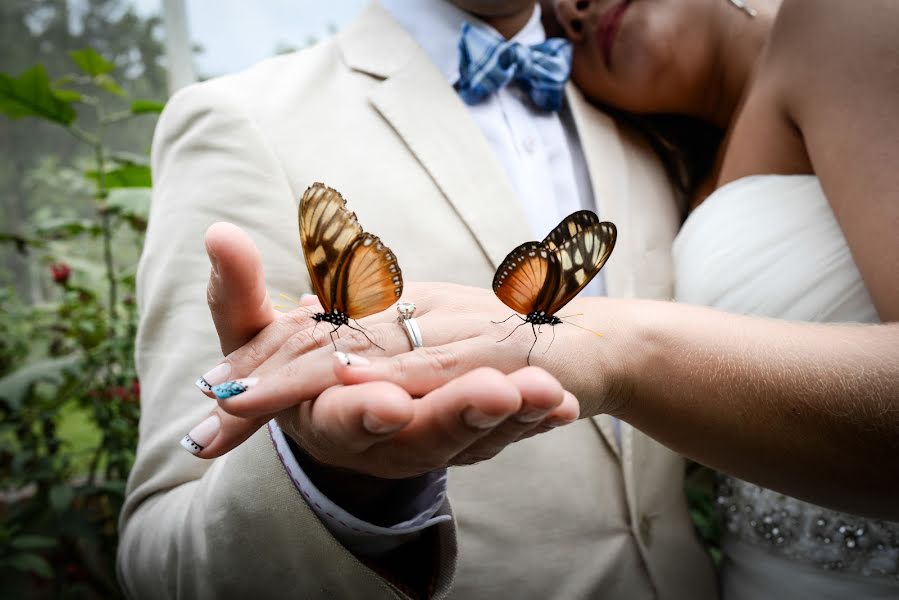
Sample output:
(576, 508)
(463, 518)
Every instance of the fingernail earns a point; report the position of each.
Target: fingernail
(475, 418)
(555, 423)
(375, 425)
(531, 415)
(214, 376)
(229, 389)
(352, 360)
(202, 435)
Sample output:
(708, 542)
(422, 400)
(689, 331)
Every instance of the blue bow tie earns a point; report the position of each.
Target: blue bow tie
(487, 62)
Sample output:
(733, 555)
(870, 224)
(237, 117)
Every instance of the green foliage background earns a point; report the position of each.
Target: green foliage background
(80, 85)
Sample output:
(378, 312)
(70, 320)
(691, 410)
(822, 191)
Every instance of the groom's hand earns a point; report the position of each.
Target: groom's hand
(334, 427)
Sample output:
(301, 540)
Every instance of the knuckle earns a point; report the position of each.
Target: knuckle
(300, 343)
(438, 358)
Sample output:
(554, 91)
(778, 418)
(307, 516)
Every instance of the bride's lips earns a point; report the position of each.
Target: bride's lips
(607, 29)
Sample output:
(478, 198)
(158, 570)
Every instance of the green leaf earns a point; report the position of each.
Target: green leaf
(57, 229)
(31, 563)
(109, 84)
(140, 107)
(15, 387)
(31, 96)
(91, 62)
(126, 175)
(33, 542)
(133, 201)
(69, 96)
(61, 496)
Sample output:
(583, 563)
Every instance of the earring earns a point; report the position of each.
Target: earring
(741, 4)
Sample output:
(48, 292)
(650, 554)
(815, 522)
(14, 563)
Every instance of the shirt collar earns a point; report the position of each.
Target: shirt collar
(437, 25)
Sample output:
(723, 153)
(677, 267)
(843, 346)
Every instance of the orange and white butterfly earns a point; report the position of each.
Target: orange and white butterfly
(537, 279)
(352, 272)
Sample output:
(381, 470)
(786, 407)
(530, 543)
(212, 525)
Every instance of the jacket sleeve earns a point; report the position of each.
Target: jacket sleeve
(236, 525)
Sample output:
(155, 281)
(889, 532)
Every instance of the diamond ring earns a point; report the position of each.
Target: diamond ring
(409, 324)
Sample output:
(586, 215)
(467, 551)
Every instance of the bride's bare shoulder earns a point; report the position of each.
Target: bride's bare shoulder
(820, 45)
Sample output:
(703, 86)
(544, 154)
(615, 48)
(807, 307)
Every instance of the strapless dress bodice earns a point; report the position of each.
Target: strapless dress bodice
(770, 246)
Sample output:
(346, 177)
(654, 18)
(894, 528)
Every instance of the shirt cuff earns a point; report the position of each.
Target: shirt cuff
(361, 537)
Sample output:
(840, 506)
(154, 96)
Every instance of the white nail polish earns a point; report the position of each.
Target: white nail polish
(352, 360)
(378, 427)
(202, 435)
(213, 377)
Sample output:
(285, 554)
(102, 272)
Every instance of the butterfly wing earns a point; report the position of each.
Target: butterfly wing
(525, 277)
(579, 259)
(571, 226)
(369, 280)
(327, 232)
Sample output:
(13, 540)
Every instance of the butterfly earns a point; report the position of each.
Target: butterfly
(352, 272)
(537, 279)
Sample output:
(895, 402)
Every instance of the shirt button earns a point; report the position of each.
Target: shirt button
(529, 143)
(645, 530)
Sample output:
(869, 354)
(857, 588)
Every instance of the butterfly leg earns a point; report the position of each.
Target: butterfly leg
(506, 319)
(523, 321)
(551, 341)
(533, 329)
(331, 333)
(361, 330)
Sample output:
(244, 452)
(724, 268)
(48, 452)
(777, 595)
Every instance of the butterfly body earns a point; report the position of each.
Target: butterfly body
(352, 272)
(537, 279)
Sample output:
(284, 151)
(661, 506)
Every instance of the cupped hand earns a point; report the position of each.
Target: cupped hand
(345, 414)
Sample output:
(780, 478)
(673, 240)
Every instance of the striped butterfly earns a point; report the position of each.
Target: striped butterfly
(538, 278)
(352, 272)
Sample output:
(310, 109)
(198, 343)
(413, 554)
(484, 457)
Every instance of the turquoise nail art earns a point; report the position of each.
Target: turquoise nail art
(229, 389)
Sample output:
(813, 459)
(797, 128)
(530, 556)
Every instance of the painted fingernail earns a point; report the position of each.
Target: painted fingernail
(375, 425)
(479, 420)
(214, 376)
(202, 435)
(352, 360)
(531, 415)
(229, 389)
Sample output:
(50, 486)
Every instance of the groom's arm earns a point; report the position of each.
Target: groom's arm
(235, 525)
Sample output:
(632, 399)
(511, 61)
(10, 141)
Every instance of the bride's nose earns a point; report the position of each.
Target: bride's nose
(572, 16)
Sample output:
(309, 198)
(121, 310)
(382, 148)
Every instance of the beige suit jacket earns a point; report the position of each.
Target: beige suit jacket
(564, 515)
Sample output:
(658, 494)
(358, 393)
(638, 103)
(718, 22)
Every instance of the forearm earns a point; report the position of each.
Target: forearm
(808, 409)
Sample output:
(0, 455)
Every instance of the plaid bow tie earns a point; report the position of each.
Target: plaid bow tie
(487, 62)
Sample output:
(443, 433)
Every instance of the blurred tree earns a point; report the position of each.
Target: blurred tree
(41, 160)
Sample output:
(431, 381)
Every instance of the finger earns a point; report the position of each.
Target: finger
(465, 410)
(541, 394)
(237, 296)
(218, 433)
(566, 413)
(350, 419)
(299, 369)
(421, 371)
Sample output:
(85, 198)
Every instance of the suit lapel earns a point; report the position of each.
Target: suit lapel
(424, 110)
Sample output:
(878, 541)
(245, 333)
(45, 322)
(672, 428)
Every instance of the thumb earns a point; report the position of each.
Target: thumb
(237, 296)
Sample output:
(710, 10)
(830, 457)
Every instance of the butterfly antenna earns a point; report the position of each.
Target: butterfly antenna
(290, 298)
(574, 315)
(511, 332)
(507, 318)
(361, 330)
(596, 333)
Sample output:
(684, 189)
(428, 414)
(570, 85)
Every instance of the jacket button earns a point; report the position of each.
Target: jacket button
(645, 530)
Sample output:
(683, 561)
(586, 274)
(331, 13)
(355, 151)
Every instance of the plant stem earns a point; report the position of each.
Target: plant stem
(105, 221)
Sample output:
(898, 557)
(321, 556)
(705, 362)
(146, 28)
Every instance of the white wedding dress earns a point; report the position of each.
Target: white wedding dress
(769, 245)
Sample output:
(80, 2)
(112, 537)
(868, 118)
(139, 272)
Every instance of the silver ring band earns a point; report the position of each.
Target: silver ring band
(409, 324)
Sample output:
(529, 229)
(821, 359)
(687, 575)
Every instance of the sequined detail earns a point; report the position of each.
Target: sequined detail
(807, 533)
(229, 389)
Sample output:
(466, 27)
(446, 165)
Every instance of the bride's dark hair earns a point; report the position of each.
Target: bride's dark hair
(686, 146)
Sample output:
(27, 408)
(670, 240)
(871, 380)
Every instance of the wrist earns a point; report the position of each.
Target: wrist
(381, 502)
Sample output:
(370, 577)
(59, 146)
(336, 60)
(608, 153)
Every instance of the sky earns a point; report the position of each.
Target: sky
(236, 33)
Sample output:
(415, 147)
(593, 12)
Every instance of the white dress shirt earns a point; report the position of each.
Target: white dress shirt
(542, 156)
